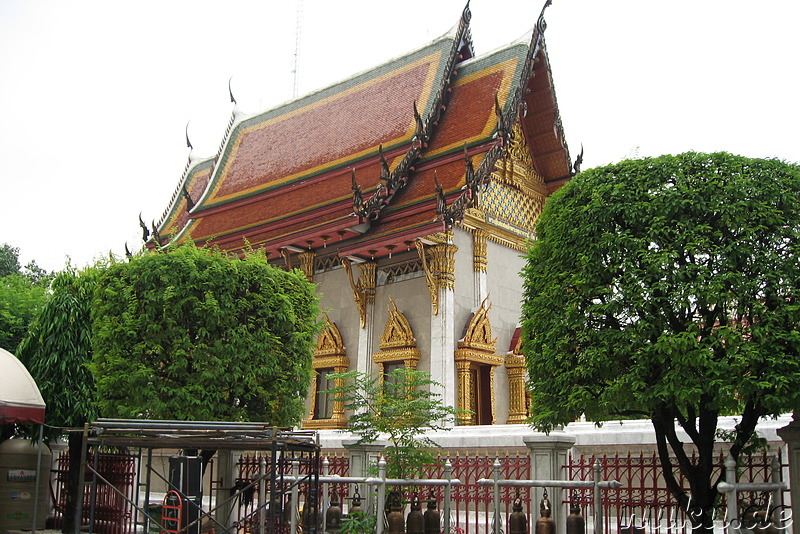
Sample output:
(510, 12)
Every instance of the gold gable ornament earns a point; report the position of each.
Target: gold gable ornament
(438, 263)
(364, 289)
(307, 264)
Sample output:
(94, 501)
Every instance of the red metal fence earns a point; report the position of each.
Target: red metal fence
(473, 507)
(113, 513)
(472, 511)
(643, 495)
(247, 504)
(644, 501)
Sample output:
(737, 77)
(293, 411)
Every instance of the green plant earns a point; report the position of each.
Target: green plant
(196, 333)
(399, 406)
(358, 523)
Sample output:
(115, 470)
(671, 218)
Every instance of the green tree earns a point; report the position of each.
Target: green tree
(9, 260)
(668, 288)
(23, 291)
(57, 350)
(20, 301)
(9, 264)
(400, 407)
(197, 334)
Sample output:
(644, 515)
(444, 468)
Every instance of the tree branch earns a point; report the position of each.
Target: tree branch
(688, 424)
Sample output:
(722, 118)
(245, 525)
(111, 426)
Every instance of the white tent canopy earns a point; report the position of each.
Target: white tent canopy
(20, 400)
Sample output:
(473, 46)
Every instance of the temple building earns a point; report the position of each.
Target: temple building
(407, 194)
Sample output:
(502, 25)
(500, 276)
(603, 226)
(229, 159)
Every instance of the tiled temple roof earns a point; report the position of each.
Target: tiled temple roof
(353, 165)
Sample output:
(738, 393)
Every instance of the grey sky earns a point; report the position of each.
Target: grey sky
(95, 96)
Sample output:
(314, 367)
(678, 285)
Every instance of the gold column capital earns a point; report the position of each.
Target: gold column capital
(443, 264)
(307, 264)
(479, 261)
(364, 289)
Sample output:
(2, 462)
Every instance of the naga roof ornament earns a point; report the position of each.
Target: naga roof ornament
(391, 183)
(230, 91)
(454, 213)
(188, 197)
(576, 167)
(145, 230)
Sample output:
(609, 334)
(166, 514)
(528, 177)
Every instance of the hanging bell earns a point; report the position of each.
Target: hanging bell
(517, 521)
(432, 517)
(355, 505)
(576, 524)
(415, 522)
(333, 515)
(394, 518)
(545, 524)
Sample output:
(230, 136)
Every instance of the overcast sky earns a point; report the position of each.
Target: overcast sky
(95, 96)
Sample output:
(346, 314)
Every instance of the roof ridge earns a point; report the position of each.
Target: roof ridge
(181, 187)
(476, 179)
(391, 183)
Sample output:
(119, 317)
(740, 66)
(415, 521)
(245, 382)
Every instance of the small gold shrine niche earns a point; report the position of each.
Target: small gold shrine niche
(519, 396)
(475, 362)
(398, 347)
(329, 358)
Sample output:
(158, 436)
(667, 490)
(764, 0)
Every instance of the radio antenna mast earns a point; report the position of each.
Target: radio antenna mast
(297, 33)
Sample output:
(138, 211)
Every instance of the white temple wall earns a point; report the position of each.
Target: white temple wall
(504, 284)
(505, 291)
(336, 299)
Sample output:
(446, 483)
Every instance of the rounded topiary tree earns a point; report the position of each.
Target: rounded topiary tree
(669, 288)
(199, 334)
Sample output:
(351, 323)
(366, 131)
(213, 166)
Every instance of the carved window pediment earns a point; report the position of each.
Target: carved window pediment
(477, 343)
(329, 357)
(398, 343)
(329, 342)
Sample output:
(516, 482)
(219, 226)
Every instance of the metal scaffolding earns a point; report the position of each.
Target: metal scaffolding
(288, 449)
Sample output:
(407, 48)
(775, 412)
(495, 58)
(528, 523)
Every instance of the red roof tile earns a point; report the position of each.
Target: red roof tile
(284, 177)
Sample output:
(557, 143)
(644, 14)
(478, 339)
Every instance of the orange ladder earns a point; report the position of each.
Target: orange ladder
(172, 513)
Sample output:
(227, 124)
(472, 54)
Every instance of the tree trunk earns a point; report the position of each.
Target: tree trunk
(699, 503)
(73, 478)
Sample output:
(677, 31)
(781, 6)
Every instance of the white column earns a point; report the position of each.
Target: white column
(481, 291)
(443, 346)
(479, 264)
(791, 435)
(366, 285)
(362, 457)
(549, 453)
(227, 470)
(364, 363)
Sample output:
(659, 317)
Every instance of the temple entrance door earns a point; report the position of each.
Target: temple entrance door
(482, 393)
